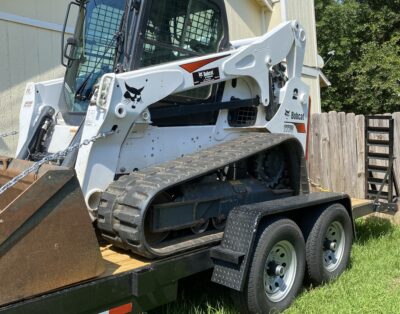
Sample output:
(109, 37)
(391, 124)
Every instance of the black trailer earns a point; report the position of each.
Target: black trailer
(132, 284)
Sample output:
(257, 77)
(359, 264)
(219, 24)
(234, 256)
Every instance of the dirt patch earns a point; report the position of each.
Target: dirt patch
(396, 283)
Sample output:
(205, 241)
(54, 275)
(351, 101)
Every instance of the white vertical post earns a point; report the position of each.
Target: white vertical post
(284, 12)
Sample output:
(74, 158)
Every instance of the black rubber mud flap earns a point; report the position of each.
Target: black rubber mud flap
(233, 256)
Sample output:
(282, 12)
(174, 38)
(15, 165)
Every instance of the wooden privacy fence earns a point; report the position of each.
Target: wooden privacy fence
(337, 152)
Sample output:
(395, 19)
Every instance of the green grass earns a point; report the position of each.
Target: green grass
(370, 285)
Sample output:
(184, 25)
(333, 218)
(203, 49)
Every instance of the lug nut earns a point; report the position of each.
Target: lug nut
(279, 270)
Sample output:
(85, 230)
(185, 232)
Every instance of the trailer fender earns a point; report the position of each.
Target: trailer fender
(233, 256)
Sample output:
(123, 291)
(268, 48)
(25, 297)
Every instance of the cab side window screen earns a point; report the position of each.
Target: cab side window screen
(179, 29)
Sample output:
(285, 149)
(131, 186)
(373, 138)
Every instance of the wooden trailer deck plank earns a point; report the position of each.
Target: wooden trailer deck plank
(362, 207)
(117, 261)
(356, 202)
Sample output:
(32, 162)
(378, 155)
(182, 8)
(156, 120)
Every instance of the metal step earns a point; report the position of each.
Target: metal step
(378, 129)
(377, 181)
(384, 143)
(373, 168)
(374, 193)
(379, 117)
(383, 156)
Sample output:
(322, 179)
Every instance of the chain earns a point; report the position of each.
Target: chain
(8, 134)
(56, 156)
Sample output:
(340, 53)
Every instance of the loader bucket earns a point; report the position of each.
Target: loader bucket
(47, 240)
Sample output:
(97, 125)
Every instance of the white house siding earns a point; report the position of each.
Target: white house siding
(304, 12)
(315, 87)
(244, 17)
(52, 11)
(30, 41)
(276, 15)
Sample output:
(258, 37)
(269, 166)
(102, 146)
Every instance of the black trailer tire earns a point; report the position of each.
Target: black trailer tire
(329, 244)
(280, 249)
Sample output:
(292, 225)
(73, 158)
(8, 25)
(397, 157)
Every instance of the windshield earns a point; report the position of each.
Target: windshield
(96, 37)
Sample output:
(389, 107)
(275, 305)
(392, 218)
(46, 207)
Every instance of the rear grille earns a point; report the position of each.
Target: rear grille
(242, 117)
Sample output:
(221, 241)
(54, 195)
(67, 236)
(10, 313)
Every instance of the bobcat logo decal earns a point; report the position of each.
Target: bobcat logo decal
(133, 94)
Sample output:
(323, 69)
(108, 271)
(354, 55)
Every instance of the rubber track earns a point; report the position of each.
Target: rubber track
(124, 203)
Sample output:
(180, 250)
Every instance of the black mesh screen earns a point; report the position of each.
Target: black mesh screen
(176, 30)
(203, 30)
(242, 117)
(101, 28)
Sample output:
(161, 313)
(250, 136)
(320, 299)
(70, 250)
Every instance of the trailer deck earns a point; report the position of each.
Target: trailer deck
(119, 261)
(128, 281)
(131, 281)
(362, 207)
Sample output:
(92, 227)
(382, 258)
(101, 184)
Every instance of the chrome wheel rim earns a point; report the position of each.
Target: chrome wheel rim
(280, 271)
(334, 244)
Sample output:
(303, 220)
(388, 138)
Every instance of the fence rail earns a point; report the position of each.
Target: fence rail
(337, 152)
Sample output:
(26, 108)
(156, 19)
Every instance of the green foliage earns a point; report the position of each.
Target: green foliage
(365, 70)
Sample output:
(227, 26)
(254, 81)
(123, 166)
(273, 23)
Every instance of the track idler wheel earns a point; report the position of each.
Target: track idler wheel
(201, 227)
(219, 223)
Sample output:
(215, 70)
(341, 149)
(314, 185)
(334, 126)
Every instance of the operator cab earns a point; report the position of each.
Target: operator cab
(105, 41)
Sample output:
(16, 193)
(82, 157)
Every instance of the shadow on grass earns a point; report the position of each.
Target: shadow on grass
(197, 295)
(372, 228)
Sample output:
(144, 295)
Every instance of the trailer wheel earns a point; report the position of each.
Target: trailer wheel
(329, 244)
(277, 270)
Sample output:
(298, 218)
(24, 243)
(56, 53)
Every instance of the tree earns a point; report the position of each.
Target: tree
(365, 70)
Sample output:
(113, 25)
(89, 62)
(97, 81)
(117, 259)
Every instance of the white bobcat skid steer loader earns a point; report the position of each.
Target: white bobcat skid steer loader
(173, 127)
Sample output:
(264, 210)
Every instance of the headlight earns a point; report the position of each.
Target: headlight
(100, 96)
